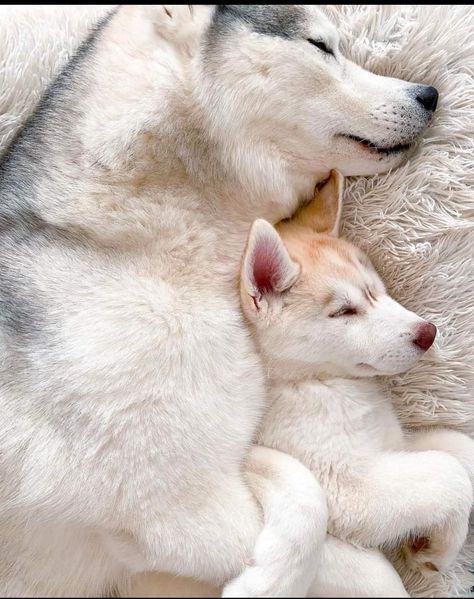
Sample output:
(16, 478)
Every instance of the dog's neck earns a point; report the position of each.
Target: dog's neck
(188, 144)
(247, 177)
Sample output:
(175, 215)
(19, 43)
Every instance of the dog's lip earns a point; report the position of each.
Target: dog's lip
(371, 146)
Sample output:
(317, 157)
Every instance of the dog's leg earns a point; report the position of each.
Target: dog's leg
(153, 584)
(282, 560)
(403, 494)
(455, 443)
(295, 523)
(349, 571)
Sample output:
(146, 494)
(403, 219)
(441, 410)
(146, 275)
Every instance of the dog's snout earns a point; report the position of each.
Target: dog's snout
(425, 334)
(427, 96)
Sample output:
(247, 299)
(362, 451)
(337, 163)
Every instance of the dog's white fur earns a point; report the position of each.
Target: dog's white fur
(122, 450)
(318, 310)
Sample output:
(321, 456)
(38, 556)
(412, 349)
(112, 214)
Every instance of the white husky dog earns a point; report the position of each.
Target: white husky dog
(325, 327)
(130, 389)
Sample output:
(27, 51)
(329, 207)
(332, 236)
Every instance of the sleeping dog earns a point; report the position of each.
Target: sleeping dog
(130, 389)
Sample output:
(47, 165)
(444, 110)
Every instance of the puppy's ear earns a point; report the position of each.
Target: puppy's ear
(267, 269)
(323, 213)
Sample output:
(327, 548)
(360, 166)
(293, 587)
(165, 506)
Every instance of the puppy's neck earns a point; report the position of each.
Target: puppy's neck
(296, 373)
(367, 391)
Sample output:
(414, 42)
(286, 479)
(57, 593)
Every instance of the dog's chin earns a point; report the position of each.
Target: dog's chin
(375, 150)
(355, 158)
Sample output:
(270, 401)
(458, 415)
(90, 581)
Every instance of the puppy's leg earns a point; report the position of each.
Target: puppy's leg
(403, 494)
(455, 443)
(295, 524)
(349, 571)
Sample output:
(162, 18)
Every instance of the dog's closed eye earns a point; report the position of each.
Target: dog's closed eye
(321, 46)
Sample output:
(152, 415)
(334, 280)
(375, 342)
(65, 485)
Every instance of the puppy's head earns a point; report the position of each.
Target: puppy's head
(316, 303)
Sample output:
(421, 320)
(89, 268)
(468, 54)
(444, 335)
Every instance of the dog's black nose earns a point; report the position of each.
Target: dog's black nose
(427, 96)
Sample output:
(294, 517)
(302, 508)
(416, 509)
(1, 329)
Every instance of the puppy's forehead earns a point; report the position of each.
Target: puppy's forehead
(329, 259)
(284, 20)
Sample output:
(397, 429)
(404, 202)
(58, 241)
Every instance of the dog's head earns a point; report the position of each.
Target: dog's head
(316, 303)
(276, 74)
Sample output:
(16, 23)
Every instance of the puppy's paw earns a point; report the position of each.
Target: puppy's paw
(436, 553)
(253, 582)
(272, 577)
(417, 558)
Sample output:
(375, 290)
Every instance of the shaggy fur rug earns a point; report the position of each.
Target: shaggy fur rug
(415, 222)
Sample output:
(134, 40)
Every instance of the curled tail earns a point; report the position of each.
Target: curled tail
(295, 515)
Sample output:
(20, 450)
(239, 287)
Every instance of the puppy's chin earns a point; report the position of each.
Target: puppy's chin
(366, 370)
(393, 370)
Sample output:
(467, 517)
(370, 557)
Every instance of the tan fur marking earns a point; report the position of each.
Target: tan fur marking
(322, 213)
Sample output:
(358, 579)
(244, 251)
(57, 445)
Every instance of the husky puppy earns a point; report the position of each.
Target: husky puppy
(130, 389)
(326, 327)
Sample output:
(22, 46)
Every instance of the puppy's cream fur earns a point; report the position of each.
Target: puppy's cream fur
(324, 324)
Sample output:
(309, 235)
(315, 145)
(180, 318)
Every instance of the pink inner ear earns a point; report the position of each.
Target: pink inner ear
(267, 266)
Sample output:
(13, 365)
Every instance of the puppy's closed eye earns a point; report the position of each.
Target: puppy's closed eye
(344, 311)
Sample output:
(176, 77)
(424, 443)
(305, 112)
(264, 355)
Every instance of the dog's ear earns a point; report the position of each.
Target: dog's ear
(267, 269)
(323, 213)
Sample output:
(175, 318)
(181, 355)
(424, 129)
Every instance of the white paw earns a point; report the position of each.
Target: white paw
(177, 15)
(253, 582)
(436, 553)
(182, 25)
(276, 574)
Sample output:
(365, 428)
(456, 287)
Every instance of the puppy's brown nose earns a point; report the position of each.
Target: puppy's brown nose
(425, 335)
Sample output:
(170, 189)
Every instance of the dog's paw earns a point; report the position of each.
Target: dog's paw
(171, 16)
(180, 24)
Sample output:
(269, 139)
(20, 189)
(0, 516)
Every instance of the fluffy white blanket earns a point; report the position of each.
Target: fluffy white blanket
(416, 222)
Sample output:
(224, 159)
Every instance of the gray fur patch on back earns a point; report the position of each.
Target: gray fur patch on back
(45, 106)
(26, 166)
(285, 20)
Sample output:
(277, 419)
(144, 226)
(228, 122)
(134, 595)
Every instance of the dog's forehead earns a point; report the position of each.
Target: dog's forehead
(285, 20)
